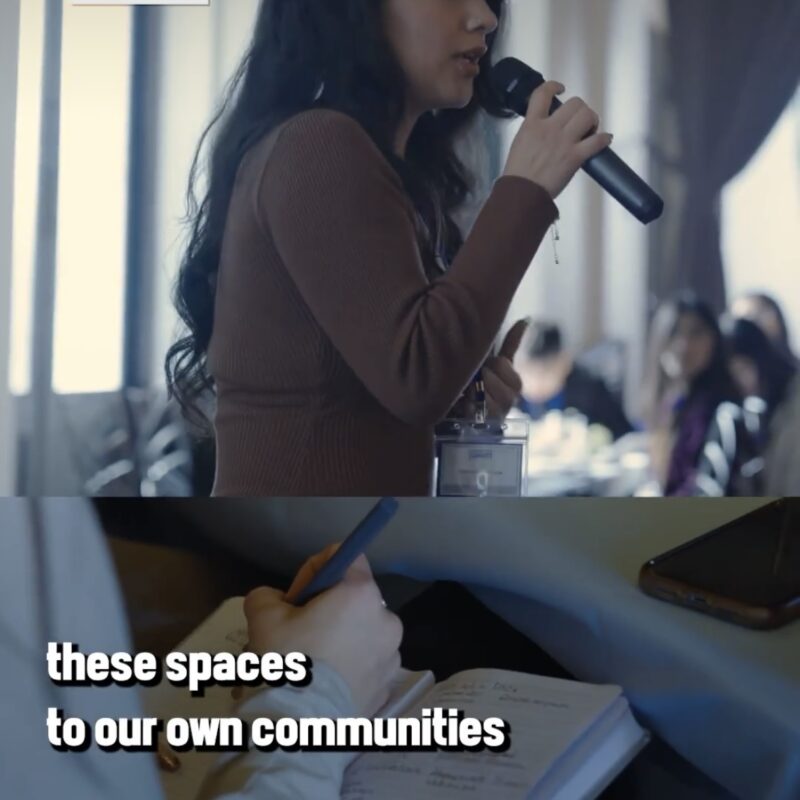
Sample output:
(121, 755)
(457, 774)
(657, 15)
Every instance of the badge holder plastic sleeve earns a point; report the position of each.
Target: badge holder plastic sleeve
(481, 458)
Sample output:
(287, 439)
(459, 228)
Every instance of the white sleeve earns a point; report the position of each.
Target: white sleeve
(57, 583)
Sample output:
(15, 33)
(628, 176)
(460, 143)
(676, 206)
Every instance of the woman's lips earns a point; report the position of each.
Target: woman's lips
(468, 61)
(467, 66)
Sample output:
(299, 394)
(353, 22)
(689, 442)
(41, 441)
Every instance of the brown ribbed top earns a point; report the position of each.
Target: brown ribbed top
(333, 354)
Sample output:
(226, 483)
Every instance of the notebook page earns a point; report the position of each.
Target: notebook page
(406, 690)
(546, 716)
(226, 631)
(597, 759)
(186, 782)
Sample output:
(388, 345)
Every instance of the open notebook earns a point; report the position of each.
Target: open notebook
(568, 739)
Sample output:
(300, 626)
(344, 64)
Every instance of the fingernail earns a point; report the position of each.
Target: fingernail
(168, 761)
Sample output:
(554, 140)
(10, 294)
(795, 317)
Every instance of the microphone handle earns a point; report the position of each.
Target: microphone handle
(606, 168)
(624, 185)
(620, 181)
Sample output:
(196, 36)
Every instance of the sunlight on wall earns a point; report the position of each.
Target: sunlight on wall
(760, 213)
(92, 199)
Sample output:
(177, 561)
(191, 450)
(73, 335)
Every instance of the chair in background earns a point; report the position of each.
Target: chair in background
(132, 443)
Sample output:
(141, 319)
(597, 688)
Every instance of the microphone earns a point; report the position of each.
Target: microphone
(515, 82)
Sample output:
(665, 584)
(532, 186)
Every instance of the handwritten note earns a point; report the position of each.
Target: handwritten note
(546, 717)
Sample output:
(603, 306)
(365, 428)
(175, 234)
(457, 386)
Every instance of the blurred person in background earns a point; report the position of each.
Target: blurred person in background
(686, 381)
(331, 303)
(552, 381)
(759, 366)
(741, 432)
(765, 311)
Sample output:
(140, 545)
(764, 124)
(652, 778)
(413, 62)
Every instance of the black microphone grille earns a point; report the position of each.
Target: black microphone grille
(514, 81)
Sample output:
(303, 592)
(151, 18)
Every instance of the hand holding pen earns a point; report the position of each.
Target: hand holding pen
(334, 612)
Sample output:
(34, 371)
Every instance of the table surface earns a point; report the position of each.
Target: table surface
(726, 698)
(564, 572)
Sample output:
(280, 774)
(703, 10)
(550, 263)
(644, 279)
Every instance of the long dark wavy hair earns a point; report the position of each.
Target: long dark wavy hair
(768, 302)
(714, 381)
(299, 47)
(775, 368)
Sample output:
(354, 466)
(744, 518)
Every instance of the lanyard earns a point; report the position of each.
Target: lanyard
(480, 398)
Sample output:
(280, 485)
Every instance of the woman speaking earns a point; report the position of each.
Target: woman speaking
(331, 302)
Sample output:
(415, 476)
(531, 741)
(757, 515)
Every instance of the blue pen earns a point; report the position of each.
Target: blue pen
(334, 569)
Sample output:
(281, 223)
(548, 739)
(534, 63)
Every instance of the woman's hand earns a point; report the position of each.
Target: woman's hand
(348, 627)
(500, 379)
(549, 150)
(501, 382)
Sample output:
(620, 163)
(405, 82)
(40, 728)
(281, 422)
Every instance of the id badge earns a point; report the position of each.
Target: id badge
(481, 459)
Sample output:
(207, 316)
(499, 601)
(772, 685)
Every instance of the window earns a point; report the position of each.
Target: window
(760, 209)
(92, 207)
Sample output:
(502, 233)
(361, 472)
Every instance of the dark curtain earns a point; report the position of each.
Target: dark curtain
(734, 66)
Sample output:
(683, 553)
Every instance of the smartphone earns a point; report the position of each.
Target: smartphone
(746, 571)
